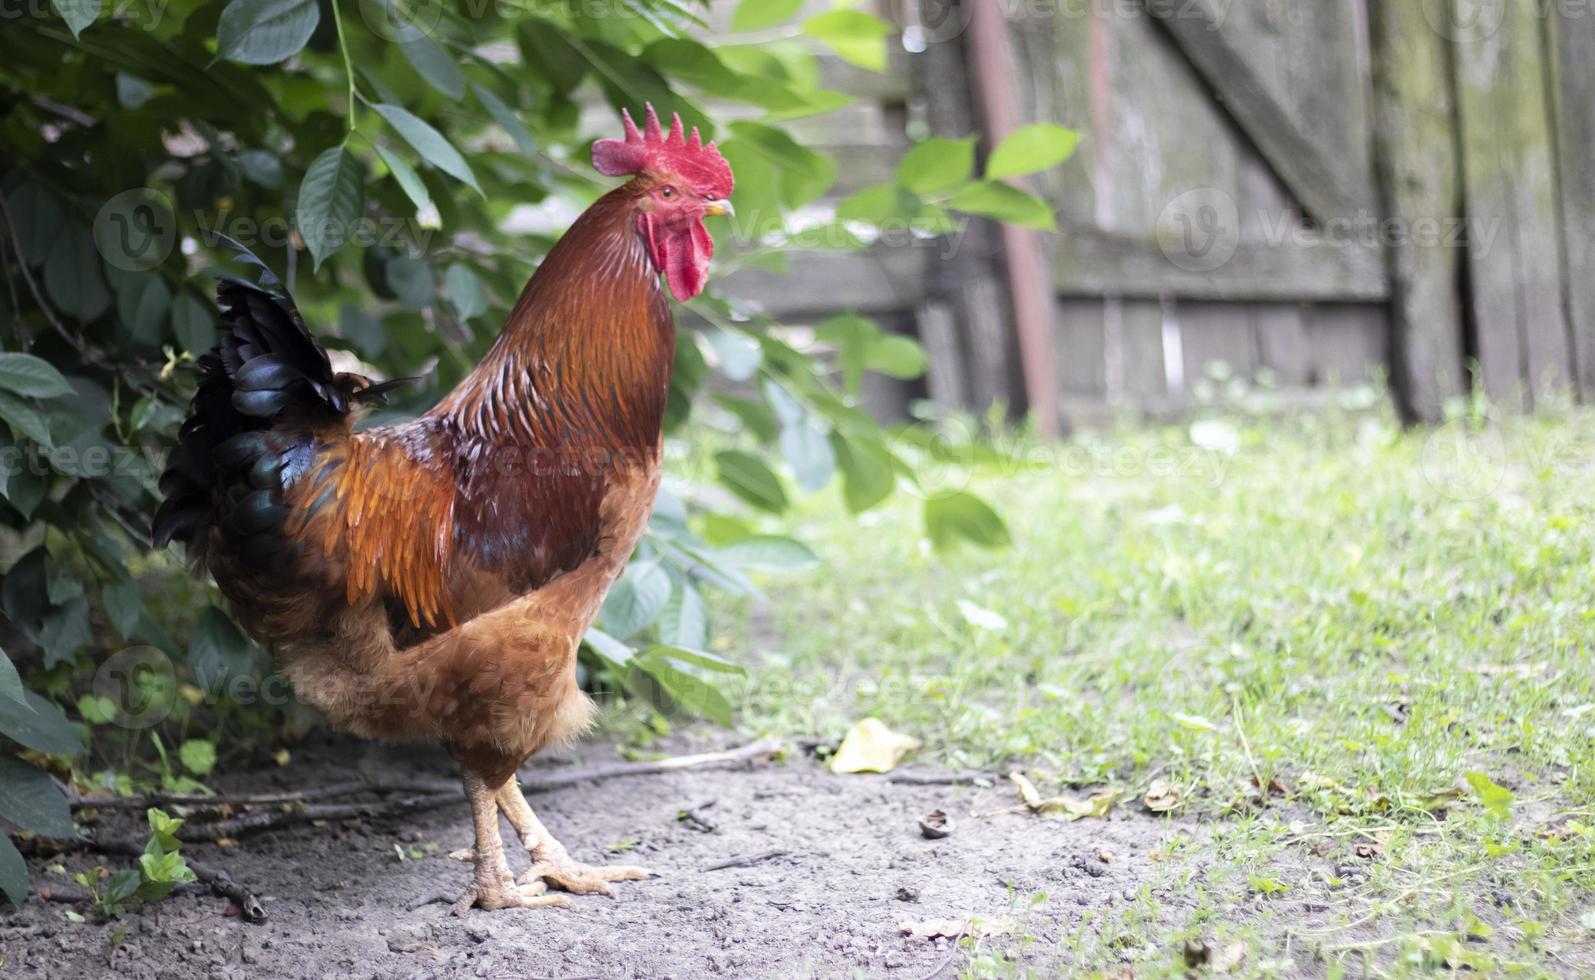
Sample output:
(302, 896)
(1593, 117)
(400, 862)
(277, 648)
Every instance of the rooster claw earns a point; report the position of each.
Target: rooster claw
(508, 897)
(581, 879)
(466, 854)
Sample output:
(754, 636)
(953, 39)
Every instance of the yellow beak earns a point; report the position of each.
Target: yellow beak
(717, 208)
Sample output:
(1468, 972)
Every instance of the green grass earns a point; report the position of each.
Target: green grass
(1357, 615)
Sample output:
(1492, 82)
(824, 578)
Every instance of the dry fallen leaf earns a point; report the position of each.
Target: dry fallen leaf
(974, 926)
(871, 747)
(1229, 958)
(1163, 796)
(1096, 805)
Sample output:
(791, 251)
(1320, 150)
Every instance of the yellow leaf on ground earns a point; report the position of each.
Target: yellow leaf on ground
(973, 926)
(1162, 796)
(872, 747)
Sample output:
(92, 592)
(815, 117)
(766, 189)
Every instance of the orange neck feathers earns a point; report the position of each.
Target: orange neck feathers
(584, 360)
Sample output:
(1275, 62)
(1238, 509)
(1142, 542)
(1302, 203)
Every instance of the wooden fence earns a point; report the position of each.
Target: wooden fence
(1309, 192)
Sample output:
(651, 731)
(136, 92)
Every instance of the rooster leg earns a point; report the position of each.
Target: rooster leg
(492, 885)
(551, 863)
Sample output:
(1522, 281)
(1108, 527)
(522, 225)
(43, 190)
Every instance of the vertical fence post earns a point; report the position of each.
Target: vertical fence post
(1572, 45)
(972, 364)
(1029, 286)
(1416, 154)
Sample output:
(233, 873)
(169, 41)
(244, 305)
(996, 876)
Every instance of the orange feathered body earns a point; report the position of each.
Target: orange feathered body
(433, 579)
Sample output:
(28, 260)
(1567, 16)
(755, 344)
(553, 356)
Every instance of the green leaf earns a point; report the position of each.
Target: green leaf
(73, 274)
(739, 355)
(31, 377)
(163, 829)
(856, 37)
(464, 291)
(897, 356)
(124, 605)
(13, 872)
(193, 323)
(143, 304)
(689, 691)
(770, 553)
(330, 199)
(612, 651)
(66, 631)
(30, 799)
(78, 14)
(262, 168)
(637, 599)
(746, 476)
(23, 419)
(801, 174)
(10, 683)
(697, 658)
(39, 725)
(26, 489)
(685, 620)
(867, 475)
(409, 181)
(756, 15)
(1031, 149)
(433, 146)
(198, 755)
(411, 281)
(96, 710)
(1497, 799)
(507, 119)
(218, 652)
(433, 64)
(937, 165)
(1007, 204)
(954, 516)
(363, 330)
(264, 32)
(806, 445)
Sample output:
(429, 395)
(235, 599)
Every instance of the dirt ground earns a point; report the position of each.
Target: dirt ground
(839, 863)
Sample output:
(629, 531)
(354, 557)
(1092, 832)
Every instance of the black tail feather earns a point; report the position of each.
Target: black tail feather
(262, 388)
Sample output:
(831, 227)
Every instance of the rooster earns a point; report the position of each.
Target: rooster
(433, 579)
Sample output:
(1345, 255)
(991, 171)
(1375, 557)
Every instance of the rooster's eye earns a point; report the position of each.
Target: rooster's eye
(668, 193)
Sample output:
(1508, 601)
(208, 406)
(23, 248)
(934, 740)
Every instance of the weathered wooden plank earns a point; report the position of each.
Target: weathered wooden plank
(1081, 347)
(1346, 343)
(1213, 334)
(1419, 182)
(1508, 166)
(1575, 132)
(1283, 346)
(817, 284)
(1093, 263)
(1321, 176)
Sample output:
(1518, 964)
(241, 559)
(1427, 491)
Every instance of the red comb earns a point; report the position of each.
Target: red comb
(651, 149)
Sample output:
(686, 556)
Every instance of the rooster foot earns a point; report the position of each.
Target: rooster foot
(508, 895)
(466, 854)
(581, 879)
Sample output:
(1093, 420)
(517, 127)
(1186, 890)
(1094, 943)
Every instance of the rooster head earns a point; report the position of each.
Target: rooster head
(680, 181)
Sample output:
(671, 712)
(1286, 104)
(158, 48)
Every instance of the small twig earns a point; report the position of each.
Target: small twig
(745, 860)
(537, 781)
(292, 814)
(912, 778)
(540, 782)
(952, 952)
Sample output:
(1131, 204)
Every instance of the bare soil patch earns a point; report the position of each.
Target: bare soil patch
(780, 869)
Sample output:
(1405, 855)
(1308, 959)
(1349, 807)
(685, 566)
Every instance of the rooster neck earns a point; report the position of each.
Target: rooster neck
(584, 360)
